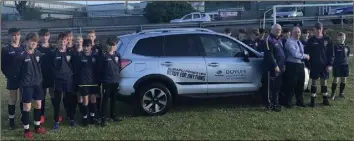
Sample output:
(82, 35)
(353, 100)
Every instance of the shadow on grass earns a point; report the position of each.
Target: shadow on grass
(185, 104)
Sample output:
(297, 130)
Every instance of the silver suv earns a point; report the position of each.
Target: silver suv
(159, 65)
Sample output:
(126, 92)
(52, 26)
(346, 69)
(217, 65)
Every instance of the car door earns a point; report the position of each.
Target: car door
(187, 18)
(184, 64)
(227, 71)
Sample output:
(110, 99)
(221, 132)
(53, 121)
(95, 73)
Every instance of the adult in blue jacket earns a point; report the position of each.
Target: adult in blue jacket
(274, 67)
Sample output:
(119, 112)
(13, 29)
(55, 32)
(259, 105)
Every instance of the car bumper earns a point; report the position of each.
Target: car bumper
(126, 86)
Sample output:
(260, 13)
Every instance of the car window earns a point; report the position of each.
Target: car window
(196, 16)
(188, 17)
(152, 46)
(181, 45)
(203, 15)
(220, 46)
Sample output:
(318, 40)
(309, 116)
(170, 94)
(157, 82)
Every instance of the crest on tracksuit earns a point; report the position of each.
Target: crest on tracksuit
(37, 58)
(325, 43)
(116, 59)
(68, 58)
(93, 59)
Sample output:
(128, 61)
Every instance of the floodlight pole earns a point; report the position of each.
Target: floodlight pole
(306, 5)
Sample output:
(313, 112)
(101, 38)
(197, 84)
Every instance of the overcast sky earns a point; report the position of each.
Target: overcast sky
(98, 2)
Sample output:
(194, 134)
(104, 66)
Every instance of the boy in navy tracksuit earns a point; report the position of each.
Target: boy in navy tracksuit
(46, 48)
(86, 69)
(78, 48)
(304, 37)
(8, 69)
(98, 50)
(28, 63)
(340, 65)
(110, 71)
(70, 38)
(62, 67)
(70, 47)
(260, 40)
(320, 49)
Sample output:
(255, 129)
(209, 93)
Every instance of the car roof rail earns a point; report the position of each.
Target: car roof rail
(163, 30)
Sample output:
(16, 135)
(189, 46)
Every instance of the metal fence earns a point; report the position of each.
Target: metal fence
(257, 22)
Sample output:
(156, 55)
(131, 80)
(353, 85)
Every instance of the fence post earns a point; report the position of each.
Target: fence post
(141, 27)
(318, 18)
(260, 23)
(80, 31)
(341, 21)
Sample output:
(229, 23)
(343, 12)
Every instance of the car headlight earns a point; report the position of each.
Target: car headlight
(339, 11)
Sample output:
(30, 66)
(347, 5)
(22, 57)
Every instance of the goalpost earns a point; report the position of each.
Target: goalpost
(299, 5)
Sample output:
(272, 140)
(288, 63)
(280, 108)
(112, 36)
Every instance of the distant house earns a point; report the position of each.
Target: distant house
(115, 9)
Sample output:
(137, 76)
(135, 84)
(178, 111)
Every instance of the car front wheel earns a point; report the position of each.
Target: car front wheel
(154, 99)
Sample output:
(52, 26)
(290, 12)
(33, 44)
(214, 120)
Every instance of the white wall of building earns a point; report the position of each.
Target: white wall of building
(47, 5)
(114, 9)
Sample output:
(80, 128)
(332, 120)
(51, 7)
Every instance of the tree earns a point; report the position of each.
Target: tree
(164, 11)
(27, 10)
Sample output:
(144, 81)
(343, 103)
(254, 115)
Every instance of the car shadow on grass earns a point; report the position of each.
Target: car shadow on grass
(185, 104)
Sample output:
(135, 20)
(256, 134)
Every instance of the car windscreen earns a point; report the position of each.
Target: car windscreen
(286, 9)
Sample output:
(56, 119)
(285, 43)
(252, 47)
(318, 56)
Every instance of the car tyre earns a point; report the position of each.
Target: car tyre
(153, 99)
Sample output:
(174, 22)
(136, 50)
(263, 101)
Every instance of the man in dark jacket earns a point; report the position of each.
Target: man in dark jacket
(320, 49)
(274, 58)
(294, 74)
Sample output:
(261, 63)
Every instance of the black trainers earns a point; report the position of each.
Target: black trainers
(115, 119)
(84, 121)
(97, 121)
(300, 104)
(325, 100)
(288, 105)
(12, 124)
(103, 122)
(91, 120)
(312, 103)
(341, 95)
(268, 107)
(276, 108)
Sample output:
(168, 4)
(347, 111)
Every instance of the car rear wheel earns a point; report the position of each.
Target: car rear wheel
(154, 99)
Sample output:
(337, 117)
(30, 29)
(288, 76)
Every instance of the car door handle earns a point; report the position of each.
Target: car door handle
(166, 64)
(213, 64)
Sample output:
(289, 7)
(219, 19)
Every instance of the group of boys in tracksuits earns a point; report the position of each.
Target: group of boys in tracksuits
(71, 73)
(324, 54)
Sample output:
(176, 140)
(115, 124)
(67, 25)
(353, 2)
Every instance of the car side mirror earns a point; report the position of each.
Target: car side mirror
(246, 56)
